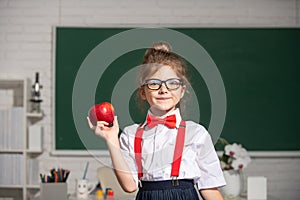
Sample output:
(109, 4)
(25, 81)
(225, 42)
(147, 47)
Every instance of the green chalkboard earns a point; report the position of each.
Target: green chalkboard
(259, 68)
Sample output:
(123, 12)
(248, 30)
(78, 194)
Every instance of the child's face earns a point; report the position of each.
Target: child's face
(162, 101)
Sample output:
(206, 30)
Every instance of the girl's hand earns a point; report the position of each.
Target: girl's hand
(102, 129)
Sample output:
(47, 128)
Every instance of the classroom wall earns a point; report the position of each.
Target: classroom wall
(26, 47)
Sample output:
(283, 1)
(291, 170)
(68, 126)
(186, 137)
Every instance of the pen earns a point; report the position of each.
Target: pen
(59, 175)
(42, 178)
(66, 176)
(86, 168)
(55, 177)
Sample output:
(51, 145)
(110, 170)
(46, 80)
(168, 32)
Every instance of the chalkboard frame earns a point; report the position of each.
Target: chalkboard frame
(272, 153)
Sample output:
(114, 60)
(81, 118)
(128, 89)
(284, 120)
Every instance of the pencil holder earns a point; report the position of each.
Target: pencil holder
(50, 191)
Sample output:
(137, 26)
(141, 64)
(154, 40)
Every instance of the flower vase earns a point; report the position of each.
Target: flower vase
(234, 184)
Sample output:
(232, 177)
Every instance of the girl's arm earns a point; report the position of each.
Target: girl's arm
(122, 171)
(211, 194)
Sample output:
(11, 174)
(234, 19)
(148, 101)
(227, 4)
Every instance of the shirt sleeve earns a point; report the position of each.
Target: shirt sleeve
(207, 159)
(126, 145)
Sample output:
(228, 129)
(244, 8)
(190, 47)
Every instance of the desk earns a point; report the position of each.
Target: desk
(94, 197)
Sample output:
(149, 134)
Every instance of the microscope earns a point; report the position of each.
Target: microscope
(36, 95)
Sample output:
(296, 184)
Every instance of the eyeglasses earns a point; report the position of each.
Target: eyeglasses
(171, 84)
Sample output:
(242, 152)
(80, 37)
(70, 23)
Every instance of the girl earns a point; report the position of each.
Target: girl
(165, 157)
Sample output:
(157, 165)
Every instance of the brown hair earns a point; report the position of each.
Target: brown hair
(160, 54)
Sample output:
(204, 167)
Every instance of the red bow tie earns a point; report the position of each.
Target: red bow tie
(169, 121)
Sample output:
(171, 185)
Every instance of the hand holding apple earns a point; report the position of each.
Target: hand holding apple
(102, 112)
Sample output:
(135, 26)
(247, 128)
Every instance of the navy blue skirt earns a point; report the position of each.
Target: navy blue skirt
(165, 190)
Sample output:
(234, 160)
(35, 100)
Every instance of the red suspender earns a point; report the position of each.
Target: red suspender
(138, 150)
(177, 150)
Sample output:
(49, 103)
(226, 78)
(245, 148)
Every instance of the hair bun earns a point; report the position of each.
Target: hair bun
(162, 46)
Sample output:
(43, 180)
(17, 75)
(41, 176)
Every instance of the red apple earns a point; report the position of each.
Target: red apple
(102, 112)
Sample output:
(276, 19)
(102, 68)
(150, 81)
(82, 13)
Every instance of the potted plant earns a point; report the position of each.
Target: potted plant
(234, 159)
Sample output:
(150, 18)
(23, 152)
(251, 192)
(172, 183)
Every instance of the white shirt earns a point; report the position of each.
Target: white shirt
(199, 159)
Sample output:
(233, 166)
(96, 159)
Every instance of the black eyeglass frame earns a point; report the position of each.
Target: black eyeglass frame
(160, 82)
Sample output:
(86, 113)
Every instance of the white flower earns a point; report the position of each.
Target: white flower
(242, 153)
(233, 150)
(240, 163)
(235, 157)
